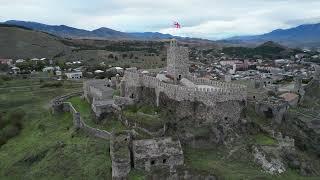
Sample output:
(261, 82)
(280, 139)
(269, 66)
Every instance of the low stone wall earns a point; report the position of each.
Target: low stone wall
(58, 104)
(159, 133)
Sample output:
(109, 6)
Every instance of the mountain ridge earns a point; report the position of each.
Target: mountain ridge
(100, 33)
(303, 35)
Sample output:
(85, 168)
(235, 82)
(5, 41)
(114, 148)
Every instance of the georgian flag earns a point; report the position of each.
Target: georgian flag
(177, 25)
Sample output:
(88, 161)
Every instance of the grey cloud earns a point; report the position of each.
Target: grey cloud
(199, 18)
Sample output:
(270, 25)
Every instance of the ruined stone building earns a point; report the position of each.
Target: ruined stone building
(99, 95)
(160, 152)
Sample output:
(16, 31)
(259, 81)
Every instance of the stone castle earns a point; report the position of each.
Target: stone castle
(205, 100)
(198, 110)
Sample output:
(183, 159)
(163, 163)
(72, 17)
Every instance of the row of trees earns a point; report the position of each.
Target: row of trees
(31, 65)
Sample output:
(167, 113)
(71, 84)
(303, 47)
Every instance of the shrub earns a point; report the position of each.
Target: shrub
(10, 131)
(51, 84)
(149, 110)
(3, 121)
(16, 117)
(2, 140)
(11, 126)
(132, 109)
(5, 78)
(116, 93)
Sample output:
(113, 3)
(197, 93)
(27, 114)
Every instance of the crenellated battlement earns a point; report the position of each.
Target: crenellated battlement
(220, 91)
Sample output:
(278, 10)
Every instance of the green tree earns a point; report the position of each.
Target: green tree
(4, 67)
(24, 66)
(39, 66)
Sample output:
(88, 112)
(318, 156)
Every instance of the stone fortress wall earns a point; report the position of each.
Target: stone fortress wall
(59, 104)
(220, 91)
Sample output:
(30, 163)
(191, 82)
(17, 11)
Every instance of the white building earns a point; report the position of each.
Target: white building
(35, 59)
(58, 73)
(47, 69)
(119, 69)
(15, 70)
(74, 75)
(20, 61)
(98, 71)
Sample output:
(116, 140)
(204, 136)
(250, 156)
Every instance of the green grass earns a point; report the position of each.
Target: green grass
(252, 115)
(48, 147)
(238, 166)
(116, 93)
(114, 125)
(145, 120)
(136, 175)
(263, 139)
(151, 110)
(82, 106)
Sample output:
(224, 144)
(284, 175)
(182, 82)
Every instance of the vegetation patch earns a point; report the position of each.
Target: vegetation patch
(10, 124)
(256, 118)
(238, 166)
(113, 125)
(263, 139)
(151, 110)
(136, 175)
(116, 93)
(51, 84)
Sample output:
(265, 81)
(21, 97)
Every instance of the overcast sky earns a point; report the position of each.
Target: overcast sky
(212, 19)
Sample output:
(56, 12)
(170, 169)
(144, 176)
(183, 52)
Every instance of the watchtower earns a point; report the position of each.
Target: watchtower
(177, 61)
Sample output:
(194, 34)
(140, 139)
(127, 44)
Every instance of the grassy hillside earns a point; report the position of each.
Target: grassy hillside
(23, 43)
(17, 42)
(48, 147)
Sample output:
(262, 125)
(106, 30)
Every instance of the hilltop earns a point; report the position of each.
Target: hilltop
(268, 49)
(17, 42)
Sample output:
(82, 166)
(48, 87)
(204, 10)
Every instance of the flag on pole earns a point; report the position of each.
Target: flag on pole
(177, 25)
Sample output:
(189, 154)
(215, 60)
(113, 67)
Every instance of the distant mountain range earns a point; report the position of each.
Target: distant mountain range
(101, 33)
(307, 35)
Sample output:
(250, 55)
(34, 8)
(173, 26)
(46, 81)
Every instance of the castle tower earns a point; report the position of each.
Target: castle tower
(297, 84)
(177, 61)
